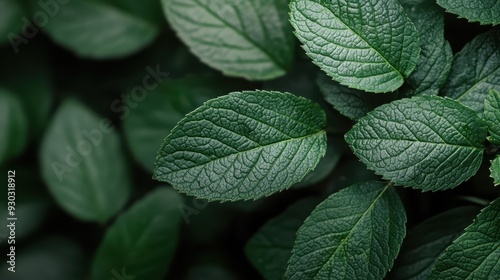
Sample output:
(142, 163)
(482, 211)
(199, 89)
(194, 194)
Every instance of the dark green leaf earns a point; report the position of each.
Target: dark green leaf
(476, 253)
(83, 165)
(143, 240)
(250, 39)
(492, 116)
(475, 71)
(428, 240)
(13, 126)
(482, 11)
(98, 30)
(245, 145)
(495, 170)
(354, 234)
(372, 57)
(427, 142)
(436, 56)
(10, 20)
(271, 247)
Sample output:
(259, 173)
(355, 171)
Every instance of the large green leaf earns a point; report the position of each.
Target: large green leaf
(371, 47)
(10, 20)
(354, 234)
(143, 240)
(245, 145)
(250, 39)
(476, 253)
(157, 115)
(475, 71)
(495, 170)
(83, 165)
(98, 30)
(145, 9)
(482, 11)
(427, 142)
(13, 126)
(492, 116)
(428, 240)
(271, 247)
(436, 56)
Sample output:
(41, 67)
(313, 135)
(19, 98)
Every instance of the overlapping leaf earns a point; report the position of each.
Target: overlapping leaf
(482, 11)
(245, 145)
(13, 127)
(495, 170)
(250, 39)
(476, 253)
(492, 116)
(427, 142)
(354, 234)
(369, 46)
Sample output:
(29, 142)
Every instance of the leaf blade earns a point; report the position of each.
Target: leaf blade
(247, 140)
(482, 11)
(492, 116)
(14, 127)
(495, 171)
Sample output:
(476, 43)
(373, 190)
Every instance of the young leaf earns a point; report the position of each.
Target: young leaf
(475, 254)
(492, 116)
(372, 57)
(271, 247)
(13, 127)
(427, 241)
(250, 39)
(82, 164)
(475, 71)
(98, 30)
(142, 240)
(351, 103)
(427, 142)
(482, 11)
(10, 21)
(436, 56)
(245, 145)
(495, 170)
(354, 234)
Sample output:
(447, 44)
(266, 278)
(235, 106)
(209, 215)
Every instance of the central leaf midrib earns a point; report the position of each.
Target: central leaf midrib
(243, 34)
(251, 150)
(476, 84)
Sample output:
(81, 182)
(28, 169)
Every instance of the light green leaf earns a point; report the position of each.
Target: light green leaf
(427, 241)
(13, 127)
(83, 165)
(427, 142)
(98, 30)
(482, 11)
(354, 234)
(350, 102)
(492, 116)
(250, 39)
(245, 145)
(372, 57)
(495, 170)
(476, 253)
(271, 247)
(147, 125)
(475, 71)
(143, 240)
(10, 20)
(436, 56)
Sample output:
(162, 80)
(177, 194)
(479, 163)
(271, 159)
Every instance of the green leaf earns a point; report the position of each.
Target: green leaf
(143, 240)
(427, 241)
(98, 30)
(245, 145)
(427, 142)
(250, 39)
(482, 11)
(475, 254)
(13, 127)
(83, 165)
(436, 56)
(271, 247)
(475, 71)
(146, 9)
(372, 57)
(495, 170)
(350, 102)
(11, 14)
(147, 125)
(354, 234)
(492, 116)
